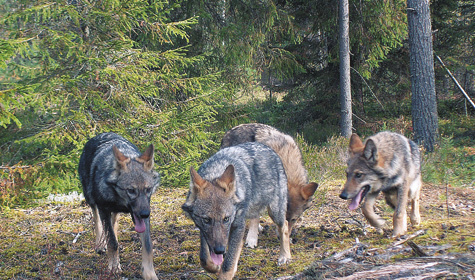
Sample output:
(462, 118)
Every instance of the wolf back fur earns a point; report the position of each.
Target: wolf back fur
(300, 191)
(387, 162)
(235, 184)
(116, 178)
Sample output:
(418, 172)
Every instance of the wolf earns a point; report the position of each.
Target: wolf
(233, 185)
(387, 162)
(300, 191)
(117, 178)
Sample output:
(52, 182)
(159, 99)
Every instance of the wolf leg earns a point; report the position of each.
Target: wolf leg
(284, 232)
(400, 215)
(368, 211)
(205, 258)
(115, 223)
(414, 195)
(235, 243)
(278, 216)
(99, 231)
(110, 226)
(148, 272)
(253, 233)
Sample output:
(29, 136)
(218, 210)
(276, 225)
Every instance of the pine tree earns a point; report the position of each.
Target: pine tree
(77, 68)
(424, 103)
(245, 39)
(345, 82)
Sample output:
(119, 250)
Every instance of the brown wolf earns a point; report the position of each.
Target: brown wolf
(300, 191)
(116, 178)
(387, 162)
(235, 184)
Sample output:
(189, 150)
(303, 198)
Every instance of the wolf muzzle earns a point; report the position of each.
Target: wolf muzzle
(217, 254)
(139, 218)
(344, 195)
(355, 200)
(144, 214)
(219, 250)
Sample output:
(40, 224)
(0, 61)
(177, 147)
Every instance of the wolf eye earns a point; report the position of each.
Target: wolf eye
(358, 175)
(131, 192)
(207, 220)
(226, 219)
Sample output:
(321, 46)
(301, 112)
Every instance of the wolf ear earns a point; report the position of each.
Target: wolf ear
(196, 186)
(226, 181)
(308, 190)
(371, 152)
(356, 145)
(197, 183)
(121, 159)
(147, 158)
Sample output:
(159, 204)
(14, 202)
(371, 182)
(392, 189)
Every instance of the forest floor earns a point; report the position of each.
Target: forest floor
(55, 241)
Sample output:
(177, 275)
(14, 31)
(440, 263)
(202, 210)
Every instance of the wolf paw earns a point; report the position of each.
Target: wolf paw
(380, 222)
(115, 269)
(150, 275)
(252, 237)
(415, 221)
(251, 242)
(398, 234)
(283, 260)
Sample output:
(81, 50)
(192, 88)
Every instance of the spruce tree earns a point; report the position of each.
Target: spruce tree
(76, 68)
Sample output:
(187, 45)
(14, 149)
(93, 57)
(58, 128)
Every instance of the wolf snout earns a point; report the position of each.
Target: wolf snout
(344, 195)
(219, 250)
(144, 214)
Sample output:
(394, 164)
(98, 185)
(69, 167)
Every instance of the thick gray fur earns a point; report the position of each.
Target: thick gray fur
(235, 184)
(260, 178)
(120, 181)
(386, 162)
(300, 190)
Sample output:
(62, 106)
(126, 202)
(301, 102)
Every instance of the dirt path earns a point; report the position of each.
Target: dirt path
(56, 241)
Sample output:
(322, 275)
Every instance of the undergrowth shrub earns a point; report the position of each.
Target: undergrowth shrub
(327, 162)
(449, 164)
(15, 184)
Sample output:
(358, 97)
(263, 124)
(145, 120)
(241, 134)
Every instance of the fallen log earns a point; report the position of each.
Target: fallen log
(353, 263)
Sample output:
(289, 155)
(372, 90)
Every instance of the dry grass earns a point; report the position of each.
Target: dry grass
(56, 241)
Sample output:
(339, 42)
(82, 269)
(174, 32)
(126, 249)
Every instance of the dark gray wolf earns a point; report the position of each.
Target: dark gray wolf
(235, 184)
(387, 162)
(300, 191)
(116, 178)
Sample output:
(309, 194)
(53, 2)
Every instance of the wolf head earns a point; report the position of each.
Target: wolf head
(365, 171)
(299, 200)
(212, 207)
(135, 182)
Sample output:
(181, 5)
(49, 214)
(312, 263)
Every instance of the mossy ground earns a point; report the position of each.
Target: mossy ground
(56, 241)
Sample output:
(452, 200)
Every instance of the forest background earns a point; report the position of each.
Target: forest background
(178, 74)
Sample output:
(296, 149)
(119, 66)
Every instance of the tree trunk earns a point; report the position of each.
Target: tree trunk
(345, 86)
(424, 103)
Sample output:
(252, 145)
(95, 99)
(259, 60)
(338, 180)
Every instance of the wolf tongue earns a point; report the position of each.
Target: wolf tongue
(139, 224)
(216, 258)
(356, 200)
